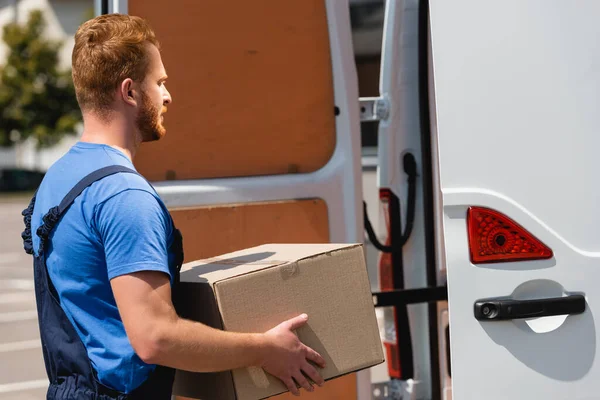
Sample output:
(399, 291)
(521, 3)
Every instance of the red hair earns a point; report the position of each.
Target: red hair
(109, 49)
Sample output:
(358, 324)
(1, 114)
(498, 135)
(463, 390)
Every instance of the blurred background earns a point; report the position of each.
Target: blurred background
(40, 121)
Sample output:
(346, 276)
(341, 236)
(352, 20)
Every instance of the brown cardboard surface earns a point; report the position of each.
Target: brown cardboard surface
(258, 288)
(219, 229)
(250, 260)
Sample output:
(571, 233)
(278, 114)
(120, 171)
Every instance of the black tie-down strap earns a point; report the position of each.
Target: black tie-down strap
(54, 214)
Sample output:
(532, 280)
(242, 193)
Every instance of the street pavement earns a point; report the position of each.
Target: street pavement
(22, 373)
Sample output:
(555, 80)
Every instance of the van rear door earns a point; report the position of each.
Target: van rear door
(516, 132)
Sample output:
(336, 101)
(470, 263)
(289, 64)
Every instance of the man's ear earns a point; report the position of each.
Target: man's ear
(128, 92)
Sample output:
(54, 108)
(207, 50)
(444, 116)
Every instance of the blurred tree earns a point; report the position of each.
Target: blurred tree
(36, 99)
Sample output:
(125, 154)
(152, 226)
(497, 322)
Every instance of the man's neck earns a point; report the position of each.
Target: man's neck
(114, 131)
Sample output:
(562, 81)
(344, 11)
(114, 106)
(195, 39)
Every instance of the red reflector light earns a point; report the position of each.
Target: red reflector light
(493, 237)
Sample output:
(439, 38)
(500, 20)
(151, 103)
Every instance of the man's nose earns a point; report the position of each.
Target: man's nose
(167, 99)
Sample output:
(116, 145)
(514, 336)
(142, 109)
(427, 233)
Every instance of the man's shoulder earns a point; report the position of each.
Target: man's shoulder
(67, 172)
(127, 206)
(131, 183)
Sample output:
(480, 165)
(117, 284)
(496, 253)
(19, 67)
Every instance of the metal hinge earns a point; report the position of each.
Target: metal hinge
(385, 391)
(395, 389)
(374, 108)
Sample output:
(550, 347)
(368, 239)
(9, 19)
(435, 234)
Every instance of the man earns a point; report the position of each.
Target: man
(106, 253)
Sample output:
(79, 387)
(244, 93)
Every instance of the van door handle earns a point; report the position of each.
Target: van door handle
(499, 309)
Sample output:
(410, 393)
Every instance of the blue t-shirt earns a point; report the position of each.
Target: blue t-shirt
(118, 225)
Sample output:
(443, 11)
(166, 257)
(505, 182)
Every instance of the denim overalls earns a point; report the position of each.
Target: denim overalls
(69, 369)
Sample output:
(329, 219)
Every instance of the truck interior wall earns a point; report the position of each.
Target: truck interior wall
(252, 89)
(213, 230)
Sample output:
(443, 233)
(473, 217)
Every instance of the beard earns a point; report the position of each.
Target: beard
(148, 121)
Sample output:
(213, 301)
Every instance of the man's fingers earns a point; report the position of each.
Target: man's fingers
(303, 382)
(315, 357)
(291, 385)
(297, 322)
(312, 373)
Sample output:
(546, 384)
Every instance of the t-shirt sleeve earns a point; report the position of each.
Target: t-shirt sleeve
(133, 228)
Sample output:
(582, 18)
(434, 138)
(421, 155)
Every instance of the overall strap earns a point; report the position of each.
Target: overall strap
(54, 214)
(87, 181)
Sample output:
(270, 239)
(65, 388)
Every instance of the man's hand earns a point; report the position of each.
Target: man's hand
(288, 359)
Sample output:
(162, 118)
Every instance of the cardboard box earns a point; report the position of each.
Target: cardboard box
(255, 289)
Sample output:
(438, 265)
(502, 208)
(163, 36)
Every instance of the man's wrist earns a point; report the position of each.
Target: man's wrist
(260, 348)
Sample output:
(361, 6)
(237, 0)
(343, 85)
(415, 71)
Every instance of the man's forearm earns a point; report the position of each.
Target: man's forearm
(159, 336)
(192, 346)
